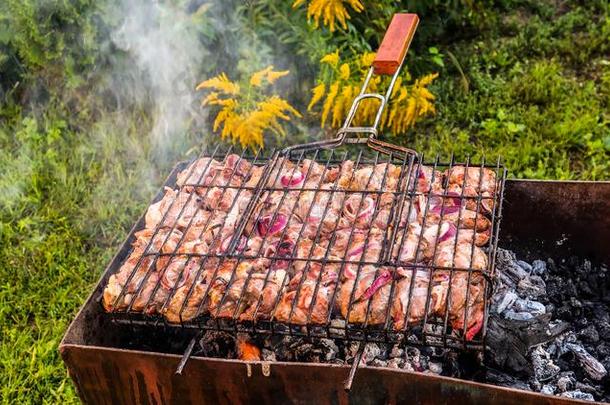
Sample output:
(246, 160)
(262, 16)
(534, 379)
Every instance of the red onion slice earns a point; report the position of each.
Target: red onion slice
(448, 232)
(265, 227)
(358, 249)
(293, 179)
(474, 329)
(349, 272)
(369, 207)
(379, 282)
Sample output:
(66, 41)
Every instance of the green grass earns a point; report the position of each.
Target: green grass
(533, 87)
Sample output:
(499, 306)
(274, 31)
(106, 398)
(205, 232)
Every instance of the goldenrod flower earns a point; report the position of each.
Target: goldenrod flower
(331, 58)
(330, 11)
(245, 116)
(409, 102)
(344, 71)
(220, 82)
(318, 93)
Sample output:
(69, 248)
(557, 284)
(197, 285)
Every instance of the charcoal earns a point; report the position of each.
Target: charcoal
(436, 368)
(578, 395)
(603, 350)
(548, 389)
(396, 352)
(591, 366)
(525, 265)
(566, 382)
(218, 344)
(518, 316)
(378, 363)
(371, 352)
(589, 334)
(532, 287)
(507, 300)
(526, 305)
(413, 356)
(538, 267)
(396, 362)
(268, 355)
(504, 379)
(587, 388)
(544, 368)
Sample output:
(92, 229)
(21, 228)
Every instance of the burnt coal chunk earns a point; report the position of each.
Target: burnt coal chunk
(589, 334)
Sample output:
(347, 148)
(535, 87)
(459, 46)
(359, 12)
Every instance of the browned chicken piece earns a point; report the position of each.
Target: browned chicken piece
(365, 245)
(470, 197)
(175, 310)
(373, 177)
(410, 296)
(417, 244)
(308, 250)
(133, 270)
(468, 219)
(320, 211)
(229, 298)
(164, 241)
(460, 255)
(229, 272)
(369, 292)
(424, 179)
(263, 296)
(170, 275)
(179, 208)
(345, 175)
(198, 172)
(256, 172)
(465, 300)
(482, 179)
(301, 302)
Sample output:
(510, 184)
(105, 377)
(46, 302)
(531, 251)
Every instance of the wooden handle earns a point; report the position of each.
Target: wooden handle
(395, 43)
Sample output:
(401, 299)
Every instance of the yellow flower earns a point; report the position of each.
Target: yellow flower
(367, 59)
(331, 58)
(246, 116)
(410, 101)
(330, 11)
(221, 83)
(257, 78)
(344, 71)
(318, 93)
(266, 74)
(330, 98)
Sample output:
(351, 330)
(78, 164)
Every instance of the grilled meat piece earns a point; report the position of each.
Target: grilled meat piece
(307, 298)
(368, 294)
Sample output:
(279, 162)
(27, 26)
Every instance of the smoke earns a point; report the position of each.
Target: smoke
(161, 64)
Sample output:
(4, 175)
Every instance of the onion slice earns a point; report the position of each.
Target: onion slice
(447, 233)
(379, 282)
(293, 179)
(265, 227)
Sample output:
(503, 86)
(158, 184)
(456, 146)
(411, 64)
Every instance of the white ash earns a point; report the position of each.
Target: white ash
(551, 347)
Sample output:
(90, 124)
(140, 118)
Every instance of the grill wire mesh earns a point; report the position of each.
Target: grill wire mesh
(323, 243)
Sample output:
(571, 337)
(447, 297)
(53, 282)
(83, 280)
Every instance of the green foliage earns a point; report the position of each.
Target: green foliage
(532, 97)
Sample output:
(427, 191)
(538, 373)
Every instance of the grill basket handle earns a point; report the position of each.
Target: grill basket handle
(388, 61)
(395, 44)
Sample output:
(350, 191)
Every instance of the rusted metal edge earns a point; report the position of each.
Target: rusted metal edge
(159, 364)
